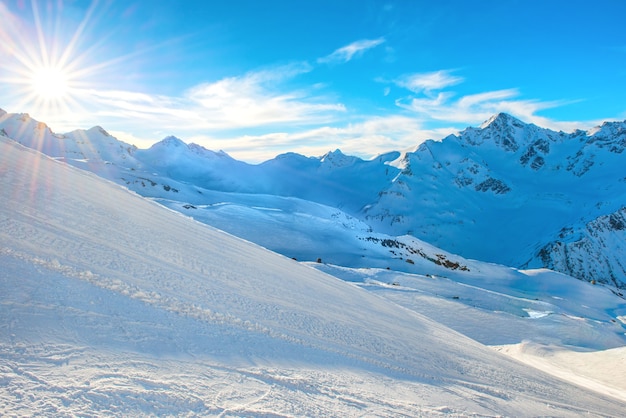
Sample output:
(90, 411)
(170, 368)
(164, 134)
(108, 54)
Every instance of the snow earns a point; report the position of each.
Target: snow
(114, 305)
(548, 182)
(532, 197)
(601, 371)
(562, 326)
(496, 305)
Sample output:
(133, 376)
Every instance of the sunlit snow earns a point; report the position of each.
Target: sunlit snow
(115, 305)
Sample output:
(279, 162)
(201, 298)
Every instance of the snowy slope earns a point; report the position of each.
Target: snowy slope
(496, 305)
(113, 305)
(517, 188)
(95, 145)
(568, 328)
(506, 192)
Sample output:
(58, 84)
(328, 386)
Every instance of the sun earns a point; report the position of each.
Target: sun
(57, 60)
(49, 69)
(50, 84)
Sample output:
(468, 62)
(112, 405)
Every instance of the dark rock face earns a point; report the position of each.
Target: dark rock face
(494, 185)
(594, 253)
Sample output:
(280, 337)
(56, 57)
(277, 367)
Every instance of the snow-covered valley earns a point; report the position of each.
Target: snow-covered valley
(115, 305)
(507, 192)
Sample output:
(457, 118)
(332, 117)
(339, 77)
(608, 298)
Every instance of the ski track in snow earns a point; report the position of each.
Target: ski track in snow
(113, 305)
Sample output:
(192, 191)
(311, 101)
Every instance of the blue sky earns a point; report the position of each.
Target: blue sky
(259, 78)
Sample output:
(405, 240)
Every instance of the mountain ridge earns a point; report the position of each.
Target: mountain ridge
(114, 305)
(503, 192)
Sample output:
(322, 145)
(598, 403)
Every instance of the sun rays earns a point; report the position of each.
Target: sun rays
(48, 62)
(33, 69)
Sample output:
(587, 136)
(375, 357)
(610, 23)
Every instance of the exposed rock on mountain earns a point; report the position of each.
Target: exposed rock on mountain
(506, 192)
(594, 252)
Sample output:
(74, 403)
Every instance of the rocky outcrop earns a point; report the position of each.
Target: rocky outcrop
(593, 253)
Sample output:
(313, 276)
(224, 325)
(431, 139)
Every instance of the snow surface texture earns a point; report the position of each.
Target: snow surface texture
(507, 192)
(114, 305)
(551, 321)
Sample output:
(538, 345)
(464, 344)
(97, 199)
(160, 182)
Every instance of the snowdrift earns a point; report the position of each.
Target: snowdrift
(114, 305)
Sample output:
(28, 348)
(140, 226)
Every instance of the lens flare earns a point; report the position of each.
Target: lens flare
(46, 61)
(50, 83)
(60, 61)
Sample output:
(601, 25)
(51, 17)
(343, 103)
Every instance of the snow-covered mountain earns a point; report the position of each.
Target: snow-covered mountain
(515, 194)
(506, 192)
(113, 305)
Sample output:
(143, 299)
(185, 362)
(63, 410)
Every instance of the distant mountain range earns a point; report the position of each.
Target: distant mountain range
(506, 192)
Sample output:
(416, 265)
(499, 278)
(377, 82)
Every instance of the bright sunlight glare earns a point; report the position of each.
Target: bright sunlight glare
(48, 69)
(50, 83)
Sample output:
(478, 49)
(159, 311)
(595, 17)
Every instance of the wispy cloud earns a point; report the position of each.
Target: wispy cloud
(466, 109)
(255, 99)
(427, 82)
(348, 52)
(434, 100)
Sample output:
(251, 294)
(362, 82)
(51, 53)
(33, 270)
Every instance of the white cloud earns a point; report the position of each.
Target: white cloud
(252, 100)
(435, 101)
(467, 109)
(346, 53)
(365, 139)
(258, 98)
(487, 97)
(427, 82)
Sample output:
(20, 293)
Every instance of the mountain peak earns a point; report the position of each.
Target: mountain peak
(501, 119)
(337, 158)
(608, 128)
(171, 141)
(333, 154)
(99, 129)
(202, 151)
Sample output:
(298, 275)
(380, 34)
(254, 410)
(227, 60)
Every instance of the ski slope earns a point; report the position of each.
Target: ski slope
(114, 305)
(571, 329)
(506, 192)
